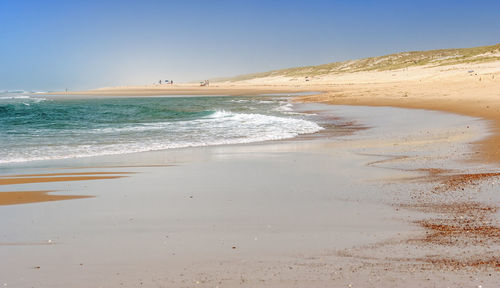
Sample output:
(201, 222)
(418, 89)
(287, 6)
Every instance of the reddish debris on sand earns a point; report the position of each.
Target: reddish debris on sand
(484, 262)
(460, 181)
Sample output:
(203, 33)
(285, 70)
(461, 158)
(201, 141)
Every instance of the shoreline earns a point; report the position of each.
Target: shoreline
(246, 198)
(184, 90)
(411, 200)
(452, 88)
(383, 95)
(488, 148)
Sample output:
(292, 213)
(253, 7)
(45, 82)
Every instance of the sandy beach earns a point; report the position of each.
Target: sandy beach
(359, 207)
(399, 190)
(275, 144)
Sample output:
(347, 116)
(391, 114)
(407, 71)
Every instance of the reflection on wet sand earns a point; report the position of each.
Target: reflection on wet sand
(120, 166)
(10, 181)
(64, 174)
(24, 197)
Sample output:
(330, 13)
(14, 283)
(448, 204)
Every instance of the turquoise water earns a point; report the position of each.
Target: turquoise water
(36, 128)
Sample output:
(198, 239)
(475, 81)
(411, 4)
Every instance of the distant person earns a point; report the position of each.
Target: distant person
(171, 81)
(160, 82)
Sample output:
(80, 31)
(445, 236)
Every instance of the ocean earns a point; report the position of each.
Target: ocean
(35, 127)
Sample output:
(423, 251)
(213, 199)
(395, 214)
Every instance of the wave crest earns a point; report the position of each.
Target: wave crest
(219, 128)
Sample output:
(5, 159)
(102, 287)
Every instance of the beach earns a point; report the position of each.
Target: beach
(311, 211)
(467, 89)
(270, 144)
(382, 195)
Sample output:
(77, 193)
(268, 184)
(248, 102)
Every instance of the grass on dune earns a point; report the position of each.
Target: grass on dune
(439, 57)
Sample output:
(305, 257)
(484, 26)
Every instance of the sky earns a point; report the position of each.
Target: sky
(54, 45)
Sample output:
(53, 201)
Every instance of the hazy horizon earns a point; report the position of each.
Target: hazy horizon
(88, 44)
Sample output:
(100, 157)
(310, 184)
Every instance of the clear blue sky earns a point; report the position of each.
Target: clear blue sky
(87, 44)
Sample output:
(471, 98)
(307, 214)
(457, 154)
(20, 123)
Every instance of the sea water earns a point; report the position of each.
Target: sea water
(35, 127)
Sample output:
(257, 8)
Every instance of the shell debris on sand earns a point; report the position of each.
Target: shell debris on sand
(459, 232)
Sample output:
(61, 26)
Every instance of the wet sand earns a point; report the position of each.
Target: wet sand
(24, 197)
(362, 209)
(11, 181)
(63, 174)
(462, 99)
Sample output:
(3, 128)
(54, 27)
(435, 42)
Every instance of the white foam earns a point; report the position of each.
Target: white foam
(288, 109)
(284, 108)
(241, 101)
(15, 97)
(219, 114)
(220, 128)
(22, 97)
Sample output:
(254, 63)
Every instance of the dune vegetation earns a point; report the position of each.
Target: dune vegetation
(396, 61)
